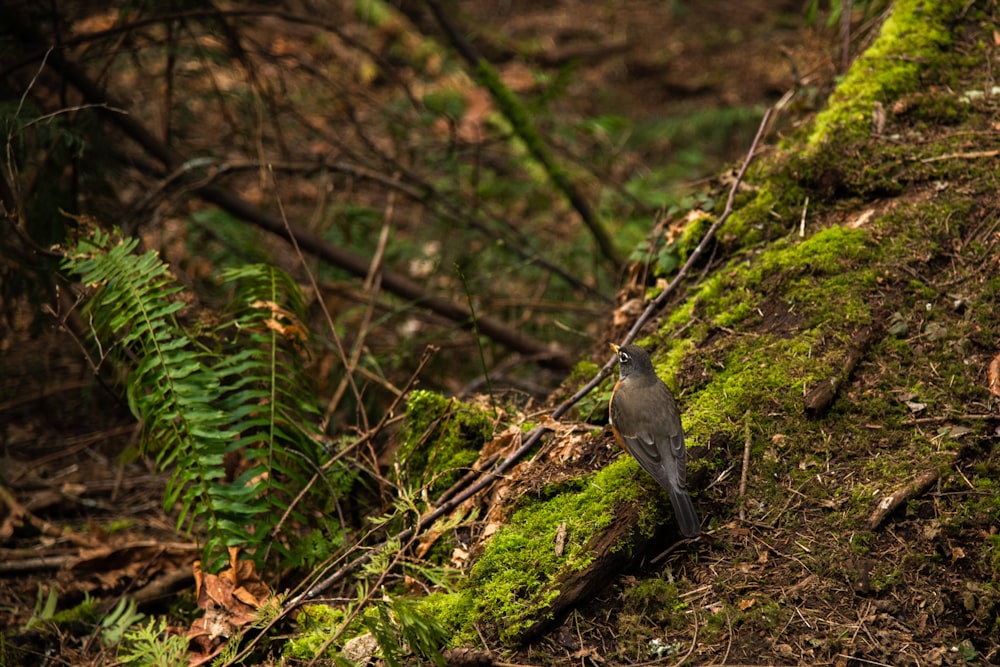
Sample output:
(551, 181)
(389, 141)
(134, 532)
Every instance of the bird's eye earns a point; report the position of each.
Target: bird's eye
(623, 358)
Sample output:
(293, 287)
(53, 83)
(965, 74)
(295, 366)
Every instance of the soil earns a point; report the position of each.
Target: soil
(64, 433)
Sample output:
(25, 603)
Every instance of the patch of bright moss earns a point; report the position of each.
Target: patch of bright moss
(440, 437)
(750, 381)
(910, 48)
(512, 583)
(821, 282)
(668, 362)
(317, 623)
(86, 612)
(826, 252)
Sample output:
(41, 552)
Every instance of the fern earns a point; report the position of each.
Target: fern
(402, 629)
(274, 406)
(197, 405)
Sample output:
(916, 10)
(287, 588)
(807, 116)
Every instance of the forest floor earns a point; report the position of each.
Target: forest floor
(76, 518)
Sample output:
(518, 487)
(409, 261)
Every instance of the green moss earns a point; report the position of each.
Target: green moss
(670, 360)
(682, 314)
(317, 623)
(828, 251)
(86, 612)
(456, 612)
(817, 281)
(439, 438)
(648, 607)
(740, 309)
(582, 371)
(909, 50)
(750, 615)
(775, 204)
(748, 380)
(513, 582)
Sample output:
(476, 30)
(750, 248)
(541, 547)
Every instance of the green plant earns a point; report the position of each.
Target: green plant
(149, 645)
(400, 627)
(228, 411)
(45, 608)
(116, 623)
(837, 8)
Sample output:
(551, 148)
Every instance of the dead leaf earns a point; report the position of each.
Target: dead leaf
(503, 444)
(459, 557)
(746, 603)
(362, 648)
(560, 539)
(426, 542)
(627, 312)
(993, 376)
(230, 600)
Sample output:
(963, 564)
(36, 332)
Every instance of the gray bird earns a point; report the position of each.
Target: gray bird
(647, 424)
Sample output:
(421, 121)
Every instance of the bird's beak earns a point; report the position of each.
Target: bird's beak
(615, 348)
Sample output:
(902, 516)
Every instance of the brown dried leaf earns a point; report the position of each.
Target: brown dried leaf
(993, 376)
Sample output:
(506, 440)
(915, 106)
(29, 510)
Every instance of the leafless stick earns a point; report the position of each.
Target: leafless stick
(845, 34)
(372, 285)
(971, 155)
(946, 418)
(36, 563)
(746, 465)
(900, 497)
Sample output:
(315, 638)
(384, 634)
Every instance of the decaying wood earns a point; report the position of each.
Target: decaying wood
(898, 498)
(821, 396)
(609, 558)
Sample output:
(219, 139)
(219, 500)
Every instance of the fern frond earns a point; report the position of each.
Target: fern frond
(170, 389)
(276, 407)
(245, 396)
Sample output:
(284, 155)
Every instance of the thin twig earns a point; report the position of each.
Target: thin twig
(845, 35)
(954, 417)
(912, 489)
(970, 155)
(372, 285)
(293, 239)
(746, 465)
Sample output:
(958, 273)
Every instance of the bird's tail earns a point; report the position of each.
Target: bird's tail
(687, 516)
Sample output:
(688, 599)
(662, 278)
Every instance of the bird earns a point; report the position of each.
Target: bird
(646, 422)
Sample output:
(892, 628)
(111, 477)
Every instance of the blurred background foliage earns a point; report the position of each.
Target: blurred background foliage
(358, 123)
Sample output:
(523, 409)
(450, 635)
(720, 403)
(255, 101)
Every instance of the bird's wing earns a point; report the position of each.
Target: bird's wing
(651, 430)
